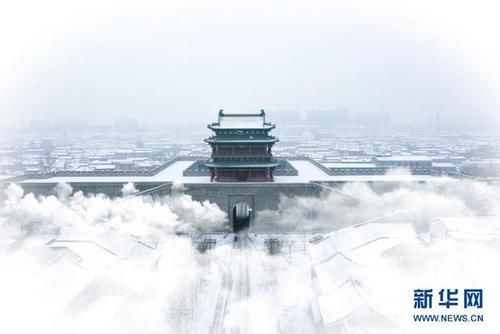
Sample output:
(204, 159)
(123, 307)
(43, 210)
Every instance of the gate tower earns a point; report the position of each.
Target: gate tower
(241, 148)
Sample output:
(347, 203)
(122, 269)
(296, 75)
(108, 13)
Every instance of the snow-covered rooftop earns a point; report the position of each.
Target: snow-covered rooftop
(321, 251)
(245, 122)
(333, 273)
(357, 236)
(308, 171)
(339, 304)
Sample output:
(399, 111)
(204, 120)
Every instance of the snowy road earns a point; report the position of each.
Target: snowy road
(241, 288)
(246, 293)
(235, 287)
(223, 297)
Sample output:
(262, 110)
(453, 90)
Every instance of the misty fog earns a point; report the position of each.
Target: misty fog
(99, 62)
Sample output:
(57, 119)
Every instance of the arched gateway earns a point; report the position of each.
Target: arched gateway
(241, 217)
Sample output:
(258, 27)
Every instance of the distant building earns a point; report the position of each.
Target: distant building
(354, 168)
(444, 168)
(405, 161)
(481, 168)
(241, 148)
(417, 164)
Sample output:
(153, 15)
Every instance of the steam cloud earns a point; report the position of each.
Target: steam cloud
(140, 216)
(359, 202)
(129, 189)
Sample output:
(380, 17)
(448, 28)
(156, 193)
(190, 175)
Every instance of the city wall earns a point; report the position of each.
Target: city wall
(258, 196)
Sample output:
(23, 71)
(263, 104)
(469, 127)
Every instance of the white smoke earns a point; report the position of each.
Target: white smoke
(202, 216)
(141, 217)
(358, 202)
(398, 171)
(14, 193)
(63, 191)
(178, 187)
(129, 189)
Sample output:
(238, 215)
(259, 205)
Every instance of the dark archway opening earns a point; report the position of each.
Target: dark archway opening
(241, 217)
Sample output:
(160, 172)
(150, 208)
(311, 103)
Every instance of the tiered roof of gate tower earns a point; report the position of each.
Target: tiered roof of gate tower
(241, 148)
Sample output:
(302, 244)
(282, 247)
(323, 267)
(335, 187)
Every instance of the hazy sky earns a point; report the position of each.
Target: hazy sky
(169, 61)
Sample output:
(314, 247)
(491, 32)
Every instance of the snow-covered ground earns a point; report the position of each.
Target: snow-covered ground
(82, 281)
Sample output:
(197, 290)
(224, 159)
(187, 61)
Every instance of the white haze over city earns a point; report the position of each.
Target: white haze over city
(99, 61)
